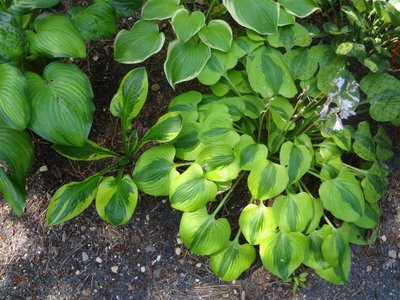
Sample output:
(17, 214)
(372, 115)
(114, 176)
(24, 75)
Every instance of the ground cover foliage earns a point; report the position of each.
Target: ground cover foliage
(276, 119)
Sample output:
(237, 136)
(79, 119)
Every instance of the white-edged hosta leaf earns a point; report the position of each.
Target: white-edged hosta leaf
(314, 257)
(282, 253)
(286, 18)
(71, 199)
(364, 145)
(202, 233)
(191, 190)
(126, 8)
(139, 43)
(13, 43)
(371, 216)
(160, 10)
(375, 183)
(267, 180)
(334, 248)
(343, 196)
(130, 97)
(293, 212)
(186, 25)
(297, 159)
(155, 170)
(55, 36)
(299, 8)
(14, 105)
(185, 61)
(61, 103)
(261, 16)
(23, 7)
(186, 105)
(116, 199)
(89, 151)
(255, 221)
(217, 35)
(232, 260)
(290, 36)
(248, 152)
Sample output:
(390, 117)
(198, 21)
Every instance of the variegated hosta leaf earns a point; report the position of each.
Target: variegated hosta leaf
(281, 111)
(248, 152)
(282, 253)
(126, 8)
(55, 36)
(139, 43)
(299, 8)
(290, 36)
(12, 193)
(267, 180)
(202, 233)
(23, 7)
(357, 235)
(71, 199)
(89, 151)
(314, 257)
(230, 262)
(242, 45)
(155, 170)
(293, 212)
(185, 61)
(191, 190)
(297, 159)
(317, 215)
(383, 145)
(160, 10)
(256, 221)
(301, 62)
(187, 143)
(217, 35)
(327, 151)
(261, 16)
(61, 102)
(116, 199)
(186, 25)
(13, 43)
(330, 168)
(364, 145)
(334, 248)
(371, 216)
(130, 97)
(186, 105)
(341, 138)
(14, 105)
(343, 196)
(165, 130)
(375, 183)
(305, 140)
(218, 162)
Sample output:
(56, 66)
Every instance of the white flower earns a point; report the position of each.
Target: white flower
(339, 82)
(345, 108)
(338, 124)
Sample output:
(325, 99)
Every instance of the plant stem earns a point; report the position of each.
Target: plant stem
(184, 164)
(3, 6)
(232, 85)
(124, 140)
(315, 174)
(209, 10)
(357, 170)
(329, 222)
(236, 239)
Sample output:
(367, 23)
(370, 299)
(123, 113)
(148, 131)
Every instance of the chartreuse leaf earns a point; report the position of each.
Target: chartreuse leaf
(305, 140)
(357, 235)
(125, 8)
(165, 130)
(232, 260)
(341, 138)
(269, 74)
(14, 105)
(261, 16)
(297, 159)
(293, 212)
(96, 21)
(61, 103)
(267, 180)
(89, 151)
(330, 168)
(314, 257)
(186, 25)
(187, 143)
(130, 97)
(218, 162)
(299, 8)
(317, 215)
(375, 183)
(282, 253)
(55, 36)
(290, 36)
(370, 218)
(23, 7)
(275, 140)
(116, 199)
(139, 43)
(202, 233)
(340, 273)
(327, 151)
(13, 43)
(186, 105)
(185, 61)
(334, 248)
(191, 190)
(343, 196)
(155, 170)
(281, 111)
(383, 145)
(248, 152)
(383, 91)
(302, 63)
(160, 10)
(71, 199)
(255, 221)
(217, 35)
(364, 145)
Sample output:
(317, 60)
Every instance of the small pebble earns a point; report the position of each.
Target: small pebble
(198, 265)
(155, 87)
(178, 251)
(77, 272)
(148, 217)
(43, 168)
(158, 257)
(235, 291)
(197, 280)
(369, 268)
(392, 254)
(143, 269)
(383, 238)
(85, 256)
(179, 241)
(99, 260)
(95, 58)
(225, 295)
(114, 269)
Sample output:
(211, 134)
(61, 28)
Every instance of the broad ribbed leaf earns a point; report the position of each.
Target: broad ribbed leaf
(371, 216)
(297, 159)
(282, 253)
(248, 152)
(383, 145)
(256, 221)
(155, 170)
(375, 183)
(281, 112)
(186, 105)
(340, 273)
(90, 151)
(160, 10)
(23, 7)
(299, 8)
(364, 145)
(290, 36)
(61, 104)
(125, 8)
(191, 190)
(139, 43)
(302, 63)
(343, 196)
(116, 199)
(334, 248)
(130, 97)
(71, 199)
(267, 180)
(12, 193)
(217, 35)
(13, 43)
(186, 25)
(202, 233)
(187, 143)
(232, 260)
(165, 130)
(261, 16)
(14, 105)
(55, 36)
(314, 257)
(217, 67)
(185, 61)
(317, 215)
